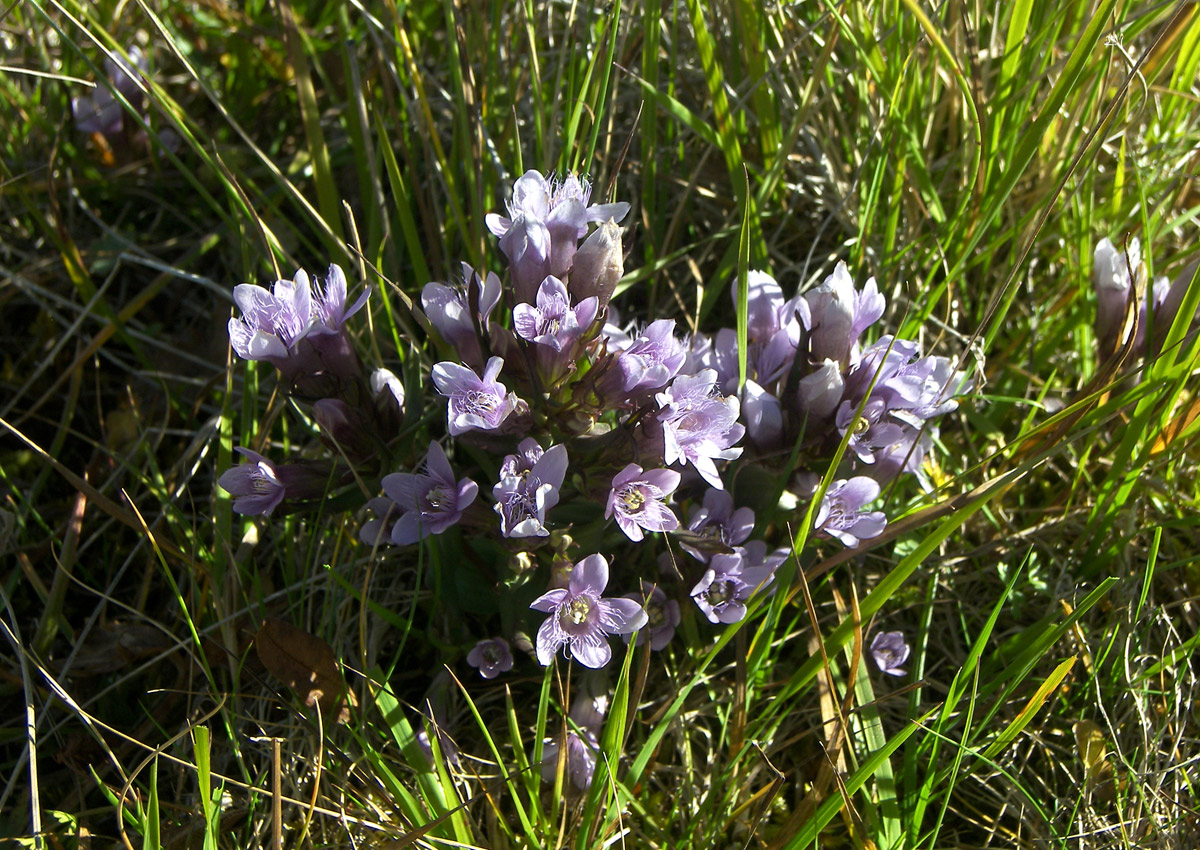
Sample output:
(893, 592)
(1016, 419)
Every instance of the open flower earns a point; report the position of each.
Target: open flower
(637, 498)
(431, 500)
(732, 579)
(699, 424)
(717, 521)
(841, 514)
(528, 488)
(890, 650)
(491, 657)
(297, 326)
(475, 403)
(581, 619)
(255, 486)
(662, 616)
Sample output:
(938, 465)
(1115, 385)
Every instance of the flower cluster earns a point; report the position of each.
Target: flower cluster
(563, 424)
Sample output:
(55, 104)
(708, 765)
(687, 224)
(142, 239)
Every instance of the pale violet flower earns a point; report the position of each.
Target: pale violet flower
(528, 488)
(717, 520)
(699, 424)
(730, 581)
(653, 359)
(581, 619)
(553, 322)
(662, 616)
(475, 403)
(431, 501)
(842, 513)
(839, 314)
(255, 486)
(449, 309)
(297, 326)
(637, 498)
(491, 657)
(890, 650)
(581, 746)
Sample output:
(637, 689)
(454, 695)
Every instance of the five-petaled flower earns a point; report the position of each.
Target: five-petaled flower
(637, 498)
(581, 619)
(431, 500)
(475, 403)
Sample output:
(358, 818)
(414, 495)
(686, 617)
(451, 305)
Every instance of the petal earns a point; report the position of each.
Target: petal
(589, 576)
(404, 488)
(549, 639)
(451, 378)
(591, 650)
(437, 465)
(622, 616)
(550, 600)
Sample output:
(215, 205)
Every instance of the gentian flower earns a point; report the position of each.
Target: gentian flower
(652, 359)
(699, 424)
(260, 485)
(1114, 288)
(431, 500)
(841, 514)
(449, 310)
(100, 112)
(598, 265)
(840, 314)
(255, 486)
(580, 618)
(637, 498)
(296, 327)
(716, 519)
(529, 487)
(763, 414)
(729, 582)
(662, 616)
(475, 403)
(582, 746)
(491, 657)
(553, 322)
(890, 650)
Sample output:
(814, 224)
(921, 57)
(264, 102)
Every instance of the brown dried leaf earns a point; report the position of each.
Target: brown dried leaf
(1182, 422)
(307, 664)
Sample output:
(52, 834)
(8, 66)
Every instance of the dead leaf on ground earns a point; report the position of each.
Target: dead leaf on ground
(307, 664)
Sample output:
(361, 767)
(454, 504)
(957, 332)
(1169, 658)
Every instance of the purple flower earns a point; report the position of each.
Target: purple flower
(582, 746)
(449, 309)
(652, 359)
(820, 392)
(873, 432)
(763, 415)
(255, 486)
(717, 520)
(259, 486)
(99, 111)
(890, 650)
(553, 325)
(528, 488)
(581, 619)
(431, 500)
(492, 657)
(475, 403)
(840, 314)
(731, 580)
(388, 390)
(773, 328)
(637, 498)
(699, 424)
(1114, 288)
(662, 616)
(841, 514)
(297, 327)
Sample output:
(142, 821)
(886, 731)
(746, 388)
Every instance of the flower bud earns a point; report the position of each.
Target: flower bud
(598, 266)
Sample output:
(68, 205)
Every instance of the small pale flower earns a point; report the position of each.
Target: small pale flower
(553, 322)
(842, 513)
(717, 520)
(449, 309)
(662, 616)
(581, 619)
(255, 486)
(637, 498)
(431, 500)
(528, 488)
(653, 359)
(890, 650)
(491, 657)
(475, 403)
(699, 424)
(729, 582)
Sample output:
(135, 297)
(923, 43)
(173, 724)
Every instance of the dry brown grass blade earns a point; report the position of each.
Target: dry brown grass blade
(1182, 421)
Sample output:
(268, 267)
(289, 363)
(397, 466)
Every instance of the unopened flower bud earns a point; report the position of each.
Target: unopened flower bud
(598, 266)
